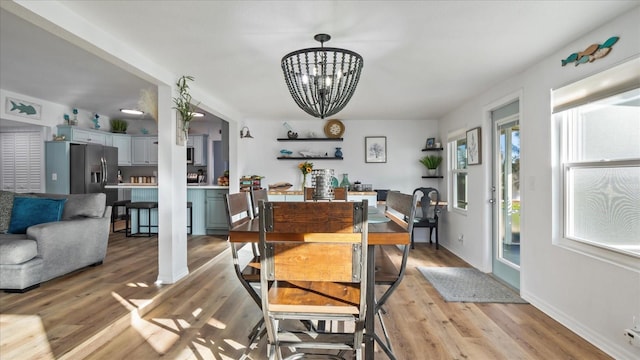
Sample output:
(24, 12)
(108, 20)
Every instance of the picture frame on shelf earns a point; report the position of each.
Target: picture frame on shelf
(474, 146)
(431, 143)
(375, 149)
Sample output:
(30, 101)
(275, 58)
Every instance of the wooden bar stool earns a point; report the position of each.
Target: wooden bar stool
(114, 213)
(190, 226)
(141, 205)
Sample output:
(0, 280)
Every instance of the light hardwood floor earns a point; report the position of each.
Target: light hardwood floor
(93, 314)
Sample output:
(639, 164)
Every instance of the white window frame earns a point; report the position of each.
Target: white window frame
(566, 165)
(452, 151)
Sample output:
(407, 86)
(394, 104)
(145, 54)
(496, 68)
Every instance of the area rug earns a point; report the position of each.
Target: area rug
(468, 285)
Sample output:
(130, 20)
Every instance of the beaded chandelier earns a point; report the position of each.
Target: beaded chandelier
(322, 80)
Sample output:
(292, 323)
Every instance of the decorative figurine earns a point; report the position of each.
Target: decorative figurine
(96, 119)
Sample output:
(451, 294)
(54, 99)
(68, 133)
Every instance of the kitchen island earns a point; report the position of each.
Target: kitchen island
(209, 215)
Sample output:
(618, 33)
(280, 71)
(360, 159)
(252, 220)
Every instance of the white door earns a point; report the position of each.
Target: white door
(506, 194)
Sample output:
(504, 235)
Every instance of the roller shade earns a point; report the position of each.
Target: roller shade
(619, 79)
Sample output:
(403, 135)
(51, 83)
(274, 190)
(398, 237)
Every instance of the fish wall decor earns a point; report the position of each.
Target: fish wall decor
(591, 53)
(22, 108)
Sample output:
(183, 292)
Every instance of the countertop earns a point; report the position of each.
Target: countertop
(155, 186)
(299, 192)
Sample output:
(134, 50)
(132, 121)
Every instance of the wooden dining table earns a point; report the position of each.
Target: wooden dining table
(381, 231)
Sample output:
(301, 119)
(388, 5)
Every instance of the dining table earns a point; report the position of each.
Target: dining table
(381, 231)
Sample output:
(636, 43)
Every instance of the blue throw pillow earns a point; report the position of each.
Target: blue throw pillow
(32, 211)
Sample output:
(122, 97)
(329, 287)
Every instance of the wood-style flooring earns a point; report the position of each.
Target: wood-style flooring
(114, 311)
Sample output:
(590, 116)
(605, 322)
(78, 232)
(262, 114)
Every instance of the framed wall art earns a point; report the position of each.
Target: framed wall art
(375, 149)
(431, 143)
(23, 108)
(474, 146)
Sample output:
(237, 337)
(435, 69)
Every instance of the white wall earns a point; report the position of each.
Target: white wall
(594, 298)
(402, 171)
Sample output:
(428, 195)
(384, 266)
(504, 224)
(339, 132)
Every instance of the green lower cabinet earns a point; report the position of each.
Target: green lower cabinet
(216, 215)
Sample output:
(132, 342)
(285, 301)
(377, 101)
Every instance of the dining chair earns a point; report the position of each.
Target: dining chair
(314, 269)
(401, 209)
(339, 193)
(238, 207)
(429, 199)
(256, 196)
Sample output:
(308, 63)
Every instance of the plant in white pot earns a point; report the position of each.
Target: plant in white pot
(431, 162)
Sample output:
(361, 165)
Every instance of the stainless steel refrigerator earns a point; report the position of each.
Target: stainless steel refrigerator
(92, 168)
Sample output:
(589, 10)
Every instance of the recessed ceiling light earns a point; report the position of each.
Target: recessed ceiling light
(132, 111)
(197, 114)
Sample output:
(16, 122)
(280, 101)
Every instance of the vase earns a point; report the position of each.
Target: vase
(432, 172)
(345, 181)
(304, 182)
(338, 152)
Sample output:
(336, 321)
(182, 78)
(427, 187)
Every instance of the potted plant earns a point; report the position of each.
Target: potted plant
(118, 126)
(183, 104)
(431, 162)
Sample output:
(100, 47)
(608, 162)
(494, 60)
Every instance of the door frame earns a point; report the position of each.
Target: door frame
(488, 179)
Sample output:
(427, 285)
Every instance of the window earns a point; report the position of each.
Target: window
(457, 149)
(600, 172)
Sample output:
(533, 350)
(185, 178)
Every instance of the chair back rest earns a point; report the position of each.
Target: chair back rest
(339, 193)
(428, 198)
(238, 208)
(256, 196)
(401, 209)
(314, 241)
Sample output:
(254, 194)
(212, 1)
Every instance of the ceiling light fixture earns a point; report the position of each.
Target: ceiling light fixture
(132, 111)
(322, 80)
(197, 114)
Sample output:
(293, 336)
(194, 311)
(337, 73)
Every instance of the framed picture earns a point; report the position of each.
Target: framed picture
(23, 108)
(474, 146)
(375, 149)
(431, 142)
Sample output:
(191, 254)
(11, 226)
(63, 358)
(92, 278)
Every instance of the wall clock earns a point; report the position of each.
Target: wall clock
(334, 129)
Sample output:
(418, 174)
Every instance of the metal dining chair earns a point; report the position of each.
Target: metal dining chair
(313, 269)
(401, 209)
(238, 207)
(430, 209)
(338, 193)
(256, 196)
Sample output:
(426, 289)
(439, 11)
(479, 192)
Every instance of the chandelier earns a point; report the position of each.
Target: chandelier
(322, 80)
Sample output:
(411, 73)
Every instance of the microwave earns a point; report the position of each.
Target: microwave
(190, 155)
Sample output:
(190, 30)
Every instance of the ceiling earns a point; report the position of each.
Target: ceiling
(422, 59)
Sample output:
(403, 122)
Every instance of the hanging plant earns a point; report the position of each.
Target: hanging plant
(183, 103)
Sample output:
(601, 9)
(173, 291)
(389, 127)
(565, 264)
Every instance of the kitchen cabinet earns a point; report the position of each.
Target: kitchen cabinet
(200, 149)
(57, 167)
(123, 143)
(144, 150)
(84, 136)
(216, 215)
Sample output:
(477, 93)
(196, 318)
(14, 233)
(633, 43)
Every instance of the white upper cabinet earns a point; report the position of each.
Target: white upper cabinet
(144, 150)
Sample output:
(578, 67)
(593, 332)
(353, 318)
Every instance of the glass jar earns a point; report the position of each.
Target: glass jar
(345, 181)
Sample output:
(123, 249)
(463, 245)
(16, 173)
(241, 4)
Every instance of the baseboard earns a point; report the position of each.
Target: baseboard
(612, 349)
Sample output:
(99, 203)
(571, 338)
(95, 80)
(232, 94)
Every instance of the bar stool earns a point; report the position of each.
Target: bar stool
(114, 213)
(141, 205)
(190, 226)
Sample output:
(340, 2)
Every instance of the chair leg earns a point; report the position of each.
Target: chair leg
(386, 345)
(413, 246)
(437, 243)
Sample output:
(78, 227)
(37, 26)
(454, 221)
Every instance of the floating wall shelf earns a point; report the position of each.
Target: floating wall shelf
(311, 139)
(309, 158)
